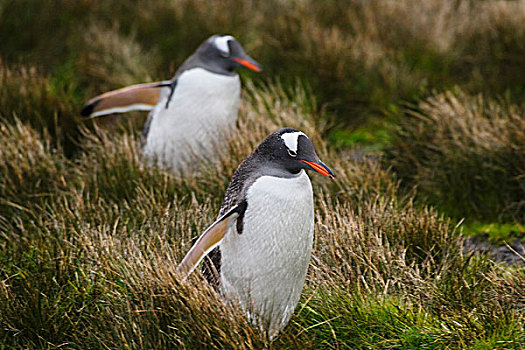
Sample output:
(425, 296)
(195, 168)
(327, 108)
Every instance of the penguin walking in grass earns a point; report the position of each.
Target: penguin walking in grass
(191, 114)
(258, 251)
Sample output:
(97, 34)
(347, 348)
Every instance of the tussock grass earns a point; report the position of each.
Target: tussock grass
(90, 237)
(89, 247)
(466, 154)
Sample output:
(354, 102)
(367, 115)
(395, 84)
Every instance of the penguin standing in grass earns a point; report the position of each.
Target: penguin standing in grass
(258, 250)
(192, 114)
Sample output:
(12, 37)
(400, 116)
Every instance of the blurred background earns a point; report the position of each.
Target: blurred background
(435, 86)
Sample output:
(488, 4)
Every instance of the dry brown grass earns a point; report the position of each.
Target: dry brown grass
(93, 263)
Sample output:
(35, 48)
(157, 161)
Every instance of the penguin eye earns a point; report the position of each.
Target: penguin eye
(292, 153)
(224, 54)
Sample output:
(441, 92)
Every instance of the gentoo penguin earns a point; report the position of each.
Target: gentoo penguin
(189, 113)
(260, 246)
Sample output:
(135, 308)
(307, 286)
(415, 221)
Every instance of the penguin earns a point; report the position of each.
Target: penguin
(191, 114)
(258, 250)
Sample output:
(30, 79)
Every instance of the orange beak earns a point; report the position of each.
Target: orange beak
(252, 65)
(320, 168)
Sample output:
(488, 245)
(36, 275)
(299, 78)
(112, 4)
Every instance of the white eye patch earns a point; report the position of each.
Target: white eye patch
(221, 43)
(291, 139)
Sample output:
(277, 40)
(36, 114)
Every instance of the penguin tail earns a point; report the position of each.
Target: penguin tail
(141, 97)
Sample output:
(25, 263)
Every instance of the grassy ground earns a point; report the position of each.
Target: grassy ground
(415, 105)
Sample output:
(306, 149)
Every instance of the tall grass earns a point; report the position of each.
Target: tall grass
(90, 238)
(466, 154)
(90, 244)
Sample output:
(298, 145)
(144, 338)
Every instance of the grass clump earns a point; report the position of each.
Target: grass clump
(112, 60)
(465, 154)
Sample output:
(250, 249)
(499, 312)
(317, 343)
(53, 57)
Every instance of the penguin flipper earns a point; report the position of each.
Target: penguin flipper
(141, 97)
(210, 239)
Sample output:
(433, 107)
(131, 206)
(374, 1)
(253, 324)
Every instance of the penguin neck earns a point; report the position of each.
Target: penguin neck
(279, 186)
(282, 173)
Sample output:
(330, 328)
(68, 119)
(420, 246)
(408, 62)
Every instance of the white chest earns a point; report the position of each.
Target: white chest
(202, 110)
(264, 268)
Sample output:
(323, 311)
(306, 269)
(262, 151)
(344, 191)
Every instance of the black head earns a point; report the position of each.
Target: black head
(286, 152)
(223, 54)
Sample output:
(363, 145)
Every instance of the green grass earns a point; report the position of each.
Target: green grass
(497, 233)
(363, 322)
(373, 137)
